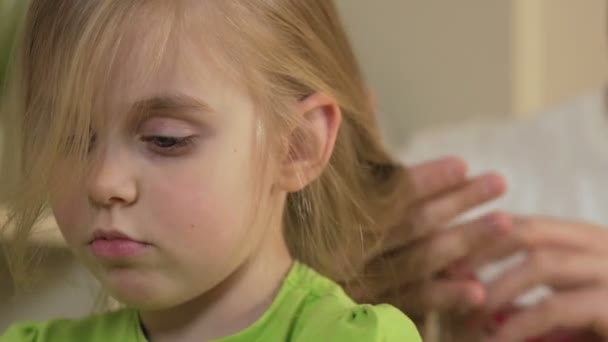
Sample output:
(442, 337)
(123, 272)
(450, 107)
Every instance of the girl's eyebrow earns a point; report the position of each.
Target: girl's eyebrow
(170, 105)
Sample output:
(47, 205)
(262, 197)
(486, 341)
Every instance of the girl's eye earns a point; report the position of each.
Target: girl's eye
(166, 144)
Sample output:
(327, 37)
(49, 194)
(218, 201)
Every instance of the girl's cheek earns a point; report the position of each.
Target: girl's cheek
(69, 214)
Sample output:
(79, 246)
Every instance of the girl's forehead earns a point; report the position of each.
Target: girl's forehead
(155, 63)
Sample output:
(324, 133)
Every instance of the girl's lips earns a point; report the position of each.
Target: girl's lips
(117, 248)
(112, 244)
(109, 234)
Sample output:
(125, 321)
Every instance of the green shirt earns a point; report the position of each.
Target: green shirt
(308, 308)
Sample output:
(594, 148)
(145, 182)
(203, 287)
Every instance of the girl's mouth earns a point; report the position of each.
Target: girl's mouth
(112, 244)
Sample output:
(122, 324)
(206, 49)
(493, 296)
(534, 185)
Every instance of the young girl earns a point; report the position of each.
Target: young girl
(210, 161)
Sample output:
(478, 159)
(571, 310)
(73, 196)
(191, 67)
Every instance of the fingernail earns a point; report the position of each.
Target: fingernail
(492, 186)
(456, 173)
(498, 222)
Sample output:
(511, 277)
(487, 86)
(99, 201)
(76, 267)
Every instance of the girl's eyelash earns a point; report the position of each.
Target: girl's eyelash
(168, 143)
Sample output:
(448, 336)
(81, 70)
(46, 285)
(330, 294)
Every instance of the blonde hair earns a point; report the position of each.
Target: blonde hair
(284, 49)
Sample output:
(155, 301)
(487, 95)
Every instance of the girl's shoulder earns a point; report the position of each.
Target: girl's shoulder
(328, 314)
(359, 323)
(114, 326)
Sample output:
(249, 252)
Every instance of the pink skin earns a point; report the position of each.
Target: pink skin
(189, 241)
(178, 217)
(117, 248)
(569, 257)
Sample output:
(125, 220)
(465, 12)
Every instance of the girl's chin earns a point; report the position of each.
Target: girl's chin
(141, 303)
(134, 292)
(147, 299)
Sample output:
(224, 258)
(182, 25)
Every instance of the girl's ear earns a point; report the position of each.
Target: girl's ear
(311, 141)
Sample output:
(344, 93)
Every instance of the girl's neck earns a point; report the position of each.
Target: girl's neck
(238, 302)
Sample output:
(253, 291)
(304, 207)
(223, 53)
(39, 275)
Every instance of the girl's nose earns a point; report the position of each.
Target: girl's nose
(111, 181)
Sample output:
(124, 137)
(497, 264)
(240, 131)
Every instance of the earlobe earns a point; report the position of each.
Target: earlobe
(311, 142)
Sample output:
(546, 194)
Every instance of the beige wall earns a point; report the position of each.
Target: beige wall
(432, 61)
(559, 50)
(437, 62)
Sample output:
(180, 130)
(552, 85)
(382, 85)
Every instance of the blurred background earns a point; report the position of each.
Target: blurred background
(434, 66)
(435, 62)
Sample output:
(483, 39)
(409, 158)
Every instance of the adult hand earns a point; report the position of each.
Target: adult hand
(571, 258)
(411, 265)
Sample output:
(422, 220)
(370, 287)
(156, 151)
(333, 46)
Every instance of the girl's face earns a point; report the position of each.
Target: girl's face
(165, 213)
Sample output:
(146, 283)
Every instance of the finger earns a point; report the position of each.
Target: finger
(443, 208)
(437, 176)
(453, 245)
(425, 258)
(548, 267)
(571, 310)
(442, 296)
(541, 231)
(427, 216)
(427, 180)
(496, 251)
(535, 232)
